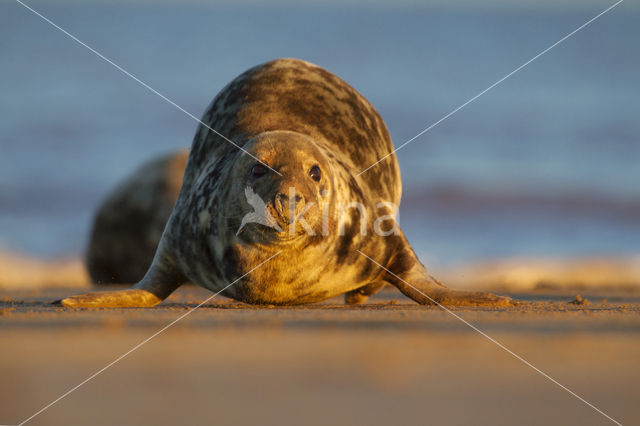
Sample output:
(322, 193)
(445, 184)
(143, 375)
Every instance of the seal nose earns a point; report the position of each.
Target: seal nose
(289, 206)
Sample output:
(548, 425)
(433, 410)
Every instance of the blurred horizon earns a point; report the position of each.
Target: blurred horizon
(544, 164)
(585, 5)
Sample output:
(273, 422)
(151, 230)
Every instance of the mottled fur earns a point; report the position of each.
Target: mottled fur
(129, 222)
(291, 115)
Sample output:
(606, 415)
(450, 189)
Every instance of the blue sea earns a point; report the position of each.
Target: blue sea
(547, 163)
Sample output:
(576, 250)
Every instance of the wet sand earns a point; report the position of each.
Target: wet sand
(387, 362)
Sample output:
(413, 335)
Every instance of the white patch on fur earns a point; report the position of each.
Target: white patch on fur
(205, 220)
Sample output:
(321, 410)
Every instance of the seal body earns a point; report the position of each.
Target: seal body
(271, 111)
(129, 222)
(296, 139)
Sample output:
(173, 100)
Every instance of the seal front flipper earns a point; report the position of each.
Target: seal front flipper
(158, 283)
(411, 278)
(426, 290)
(130, 298)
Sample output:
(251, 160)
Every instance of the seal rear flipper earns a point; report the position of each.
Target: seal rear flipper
(360, 295)
(411, 278)
(158, 283)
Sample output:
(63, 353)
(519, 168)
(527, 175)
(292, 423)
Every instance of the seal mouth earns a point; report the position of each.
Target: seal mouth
(285, 237)
(286, 234)
(286, 220)
(262, 234)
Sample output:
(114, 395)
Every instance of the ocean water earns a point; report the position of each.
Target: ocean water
(544, 164)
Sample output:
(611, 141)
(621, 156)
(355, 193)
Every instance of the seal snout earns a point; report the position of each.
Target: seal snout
(289, 206)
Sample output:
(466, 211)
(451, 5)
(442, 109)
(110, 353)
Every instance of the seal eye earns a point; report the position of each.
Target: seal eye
(315, 173)
(259, 169)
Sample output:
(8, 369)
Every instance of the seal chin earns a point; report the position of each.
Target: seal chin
(286, 235)
(286, 238)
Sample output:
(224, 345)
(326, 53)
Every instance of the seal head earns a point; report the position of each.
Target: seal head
(289, 177)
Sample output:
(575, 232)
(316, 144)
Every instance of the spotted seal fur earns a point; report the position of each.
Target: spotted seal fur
(129, 222)
(300, 128)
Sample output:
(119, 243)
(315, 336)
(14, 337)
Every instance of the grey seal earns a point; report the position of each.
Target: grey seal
(305, 135)
(129, 222)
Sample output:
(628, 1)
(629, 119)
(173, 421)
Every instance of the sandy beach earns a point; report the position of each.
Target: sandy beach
(515, 127)
(387, 362)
